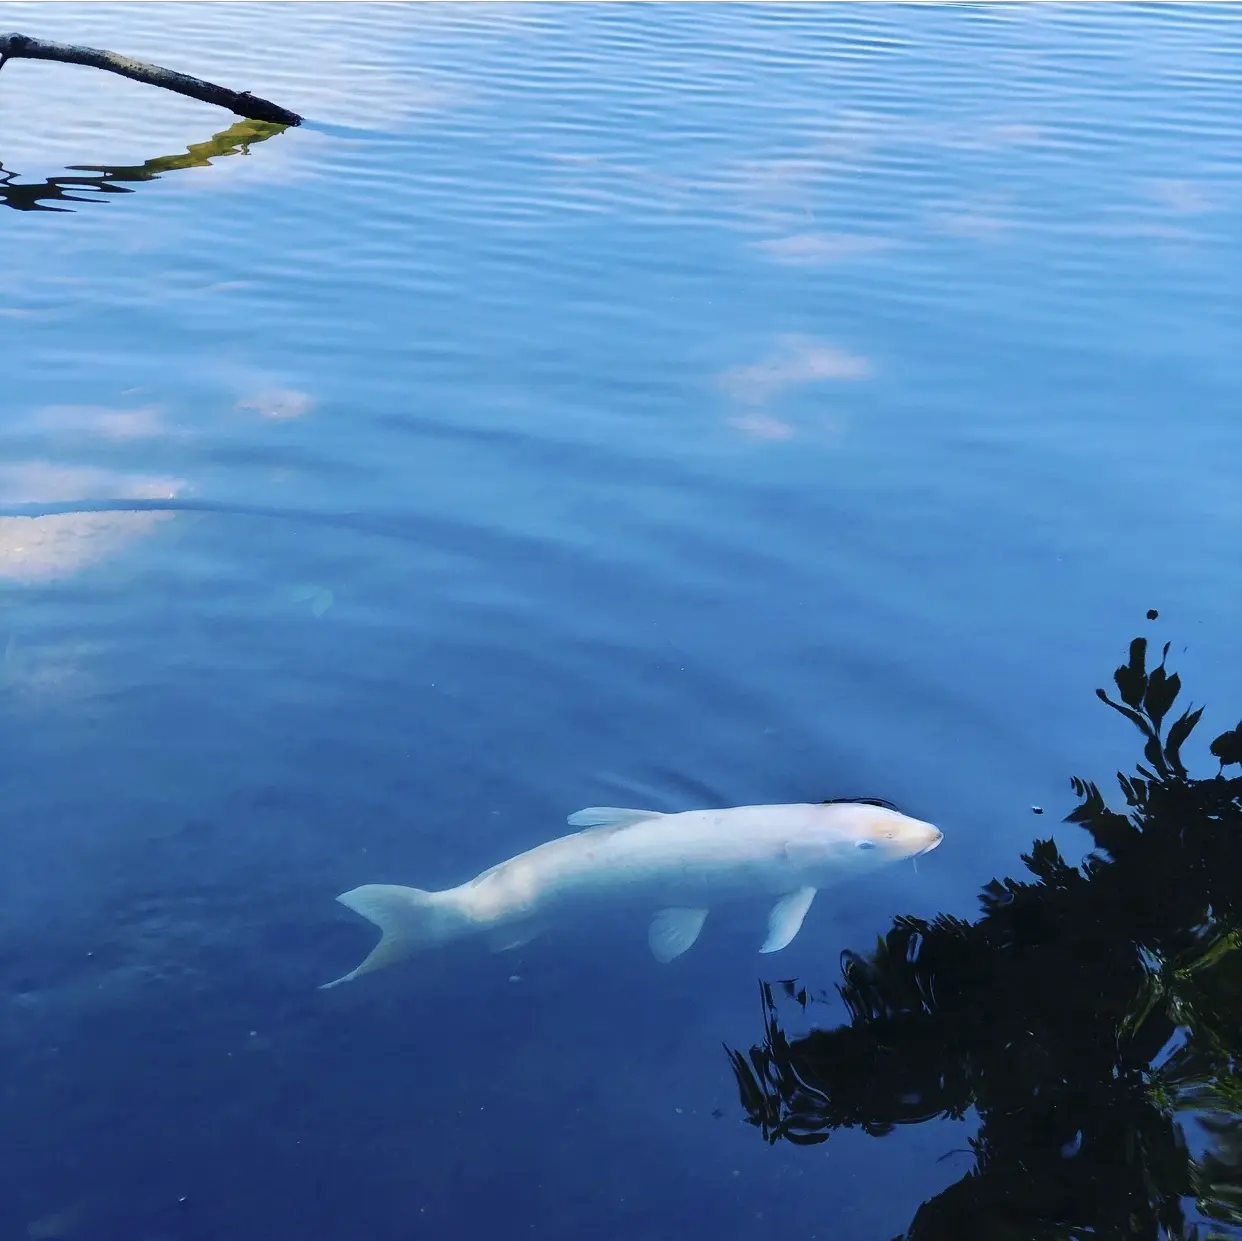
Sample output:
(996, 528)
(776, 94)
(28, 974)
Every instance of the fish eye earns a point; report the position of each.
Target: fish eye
(864, 844)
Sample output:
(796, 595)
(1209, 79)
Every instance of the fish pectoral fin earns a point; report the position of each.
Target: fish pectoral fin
(673, 931)
(785, 920)
(506, 938)
(610, 816)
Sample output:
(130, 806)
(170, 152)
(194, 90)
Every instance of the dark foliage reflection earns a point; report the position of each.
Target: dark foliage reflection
(1091, 1016)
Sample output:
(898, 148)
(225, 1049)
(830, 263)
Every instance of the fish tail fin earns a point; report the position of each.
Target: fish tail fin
(409, 919)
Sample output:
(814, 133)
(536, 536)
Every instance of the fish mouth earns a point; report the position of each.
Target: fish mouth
(937, 837)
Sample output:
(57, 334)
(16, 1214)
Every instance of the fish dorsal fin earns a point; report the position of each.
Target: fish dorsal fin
(610, 816)
(785, 920)
(672, 931)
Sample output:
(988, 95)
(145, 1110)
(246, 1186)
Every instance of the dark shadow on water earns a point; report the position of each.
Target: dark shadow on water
(115, 179)
(1091, 1017)
(351, 133)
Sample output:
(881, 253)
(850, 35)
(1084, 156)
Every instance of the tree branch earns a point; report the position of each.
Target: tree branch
(20, 46)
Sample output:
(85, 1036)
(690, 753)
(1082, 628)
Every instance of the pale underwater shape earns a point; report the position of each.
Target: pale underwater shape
(796, 360)
(46, 672)
(42, 549)
(58, 1225)
(141, 422)
(814, 249)
(320, 598)
(58, 545)
(279, 404)
(762, 426)
(1181, 196)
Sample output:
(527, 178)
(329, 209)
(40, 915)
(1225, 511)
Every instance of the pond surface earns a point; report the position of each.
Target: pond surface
(669, 407)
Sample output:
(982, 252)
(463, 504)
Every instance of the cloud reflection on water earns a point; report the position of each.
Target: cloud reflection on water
(48, 548)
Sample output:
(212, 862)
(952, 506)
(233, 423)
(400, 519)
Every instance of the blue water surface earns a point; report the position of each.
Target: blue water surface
(667, 406)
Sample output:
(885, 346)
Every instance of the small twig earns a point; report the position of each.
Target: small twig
(20, 46)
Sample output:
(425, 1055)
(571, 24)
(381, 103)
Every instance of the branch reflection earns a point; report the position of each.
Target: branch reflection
(113, 179)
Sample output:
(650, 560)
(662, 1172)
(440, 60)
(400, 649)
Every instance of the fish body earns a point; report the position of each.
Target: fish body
(679, 866)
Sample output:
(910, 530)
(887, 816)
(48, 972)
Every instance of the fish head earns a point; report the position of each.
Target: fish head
(863, 837)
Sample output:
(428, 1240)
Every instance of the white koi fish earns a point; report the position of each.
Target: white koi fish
(678, 864)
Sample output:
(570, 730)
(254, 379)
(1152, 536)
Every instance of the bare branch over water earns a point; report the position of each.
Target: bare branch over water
(23, 47)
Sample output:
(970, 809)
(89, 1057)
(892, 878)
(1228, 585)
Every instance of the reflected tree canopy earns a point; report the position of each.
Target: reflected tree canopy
(1091, 1016)
(105, 179)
